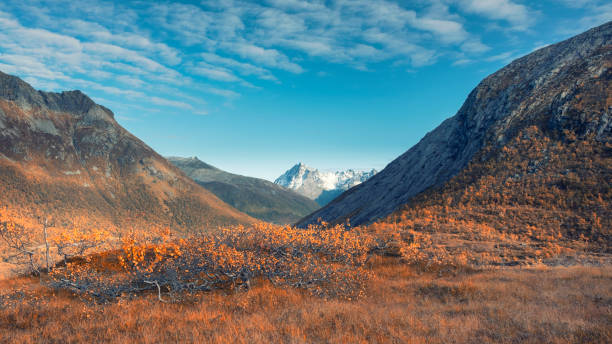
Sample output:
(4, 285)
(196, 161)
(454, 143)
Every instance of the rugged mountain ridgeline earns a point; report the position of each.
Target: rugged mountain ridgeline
(259, 198)
(530, 151)
(321, 186)
(63, 157)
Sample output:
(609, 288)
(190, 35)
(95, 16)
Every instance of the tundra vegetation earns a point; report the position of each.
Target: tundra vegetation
(392, 281)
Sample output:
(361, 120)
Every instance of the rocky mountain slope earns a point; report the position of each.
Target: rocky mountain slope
(257, 197)
(541, 123)
(321, 186)
(62, 156)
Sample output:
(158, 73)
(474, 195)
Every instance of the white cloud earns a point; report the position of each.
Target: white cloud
(517, 15)
(35, 82)
(365, 51)
(125, 79)
(448, 31)
(417, 55)
(215, 73)
(218, 73)
(279, 31)
(241, 67)
(222, 92)
(462, 62)
(310, 47)
(474, 46)
(114, 52)
(99, 33)
(170, 103)
(188, 22)
(267, 57)
(505, 57)
(279, 21)
(30, 66)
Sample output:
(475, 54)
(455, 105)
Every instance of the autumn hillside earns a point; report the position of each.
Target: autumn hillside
(550, 190)
(62, 155)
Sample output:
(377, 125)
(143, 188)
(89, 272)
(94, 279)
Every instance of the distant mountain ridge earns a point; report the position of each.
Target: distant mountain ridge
(257, 197)
(321, 186)
(551, 99)
(63, 156)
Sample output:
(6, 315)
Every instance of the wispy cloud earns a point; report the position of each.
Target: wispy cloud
(183, 51)
(267, 57)
(226, 41)
(240, 67)
(94, 59)
(517, 15)
(503, 57)
(170, 103)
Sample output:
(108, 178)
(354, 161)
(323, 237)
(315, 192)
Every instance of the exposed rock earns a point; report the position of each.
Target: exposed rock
(75, 102)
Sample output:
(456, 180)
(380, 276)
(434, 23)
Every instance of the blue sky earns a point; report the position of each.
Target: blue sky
(254, 87)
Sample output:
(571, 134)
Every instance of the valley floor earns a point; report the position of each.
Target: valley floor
(538, 304)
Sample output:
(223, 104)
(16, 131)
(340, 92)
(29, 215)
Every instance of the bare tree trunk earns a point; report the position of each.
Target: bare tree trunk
(159, 296)
(46, 246)
(35, 270)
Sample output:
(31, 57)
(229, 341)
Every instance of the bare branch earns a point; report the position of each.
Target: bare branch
(158, 289)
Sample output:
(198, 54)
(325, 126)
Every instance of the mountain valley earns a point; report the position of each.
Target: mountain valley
(496, 227)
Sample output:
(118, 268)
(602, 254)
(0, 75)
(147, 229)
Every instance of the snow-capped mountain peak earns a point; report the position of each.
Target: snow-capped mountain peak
(322, 186)
(295, 176)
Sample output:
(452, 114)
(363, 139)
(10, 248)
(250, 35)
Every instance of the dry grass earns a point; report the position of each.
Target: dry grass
(402, 305)
(427, 281)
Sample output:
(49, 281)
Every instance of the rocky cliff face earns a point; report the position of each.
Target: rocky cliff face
(561, 87)
(321, 186)
(257, 197)
(63, 155)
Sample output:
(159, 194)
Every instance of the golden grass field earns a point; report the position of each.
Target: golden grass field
(402, 305)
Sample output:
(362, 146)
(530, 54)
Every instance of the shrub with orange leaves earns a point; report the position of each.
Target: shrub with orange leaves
(77, 242)
(326, 261)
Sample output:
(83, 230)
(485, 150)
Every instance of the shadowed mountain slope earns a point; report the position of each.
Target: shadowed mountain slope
(557, 98)
(63, 156)
(257, 197)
